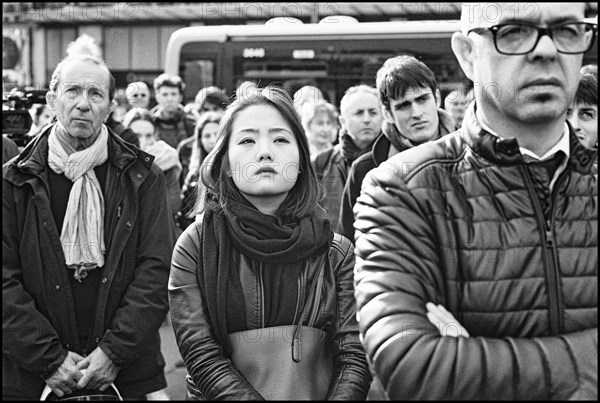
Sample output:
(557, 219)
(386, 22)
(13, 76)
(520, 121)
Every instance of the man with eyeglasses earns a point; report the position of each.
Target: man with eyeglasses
(476, 255)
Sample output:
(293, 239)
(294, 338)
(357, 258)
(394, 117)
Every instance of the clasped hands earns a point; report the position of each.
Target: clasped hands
(96, 371)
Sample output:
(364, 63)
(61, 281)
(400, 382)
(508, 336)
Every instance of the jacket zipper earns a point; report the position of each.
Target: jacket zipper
(261, 286)
(299, 294)
(548, 254)
(317, 300)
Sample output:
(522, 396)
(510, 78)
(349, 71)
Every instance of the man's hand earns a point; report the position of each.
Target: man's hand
(445, 321)
(100, 371)
(64, 380)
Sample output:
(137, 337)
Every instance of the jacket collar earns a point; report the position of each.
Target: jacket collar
(33, 158)
(381, 147)
(505, 151)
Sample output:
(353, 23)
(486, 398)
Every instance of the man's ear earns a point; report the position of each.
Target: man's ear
(111, 108)
(342, 120)
(464, 50)
(387, 115)
(51, 100)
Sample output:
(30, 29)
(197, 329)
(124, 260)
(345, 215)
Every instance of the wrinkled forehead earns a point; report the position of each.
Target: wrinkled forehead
(476, 15)
(85, 74)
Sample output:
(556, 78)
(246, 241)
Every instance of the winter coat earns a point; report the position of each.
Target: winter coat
(38, 312)
(458, 222)
(211, 373)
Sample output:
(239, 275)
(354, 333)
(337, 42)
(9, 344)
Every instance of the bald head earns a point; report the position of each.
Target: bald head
(476, 15)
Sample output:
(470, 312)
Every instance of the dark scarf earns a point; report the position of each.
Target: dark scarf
(258, 236)
(401, 143)
(349, 150)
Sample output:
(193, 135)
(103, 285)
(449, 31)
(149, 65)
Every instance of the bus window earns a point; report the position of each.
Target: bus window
(197, 74)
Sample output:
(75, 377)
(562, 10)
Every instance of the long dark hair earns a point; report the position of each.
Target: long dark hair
(219, 187)
(199, 153)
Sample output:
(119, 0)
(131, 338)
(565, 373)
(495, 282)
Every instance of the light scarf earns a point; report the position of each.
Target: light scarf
(82, 234)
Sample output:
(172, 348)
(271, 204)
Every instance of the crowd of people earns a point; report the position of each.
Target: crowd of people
(402, 246)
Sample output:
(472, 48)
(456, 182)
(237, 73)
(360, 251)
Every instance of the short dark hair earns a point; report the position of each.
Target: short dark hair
(399, 74)
(587, 91)
(168, 80)
(219, 187)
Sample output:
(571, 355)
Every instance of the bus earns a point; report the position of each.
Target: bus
(332, 55)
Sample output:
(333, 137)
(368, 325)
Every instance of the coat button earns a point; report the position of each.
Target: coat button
(128, 224)
(57, 288)
(139, 175)
(45, 223)
(68, 346)
(147, 159)
(97, 339)
(104, 279)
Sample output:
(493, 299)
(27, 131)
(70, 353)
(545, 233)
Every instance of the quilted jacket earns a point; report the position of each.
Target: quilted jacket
(458, 222)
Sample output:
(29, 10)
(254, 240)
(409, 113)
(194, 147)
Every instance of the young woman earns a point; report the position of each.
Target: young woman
(263, 257)
(320, 122)
(139, 120)
(205, 136)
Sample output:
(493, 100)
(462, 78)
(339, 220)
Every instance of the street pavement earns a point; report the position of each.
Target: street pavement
(175, 370)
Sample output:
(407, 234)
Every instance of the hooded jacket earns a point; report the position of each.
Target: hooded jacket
(38, 313)
(378, 154)
(458, 222)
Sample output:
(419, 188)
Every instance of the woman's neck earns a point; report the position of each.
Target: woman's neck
(267, 204)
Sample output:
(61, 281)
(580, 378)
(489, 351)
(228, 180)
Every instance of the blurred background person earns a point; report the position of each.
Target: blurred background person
(589, 69)
(583, 112)
(308, 93)
(172, 123)
(115, 119)
(246, 89)
(320, 123)
(204, 138)
(140, 122)
(209, 99)
(455, 104)
(360, 119)
(138, 95)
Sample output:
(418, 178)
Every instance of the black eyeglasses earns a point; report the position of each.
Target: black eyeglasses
(519, 39)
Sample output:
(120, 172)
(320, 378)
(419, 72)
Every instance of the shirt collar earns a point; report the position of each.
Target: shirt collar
(563, 144)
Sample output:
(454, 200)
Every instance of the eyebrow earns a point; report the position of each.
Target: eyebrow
(531, 21)
(255, 131)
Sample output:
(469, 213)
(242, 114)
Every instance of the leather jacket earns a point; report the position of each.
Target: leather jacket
(213, 375)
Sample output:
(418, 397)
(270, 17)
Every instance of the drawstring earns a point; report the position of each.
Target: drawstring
(296, 346)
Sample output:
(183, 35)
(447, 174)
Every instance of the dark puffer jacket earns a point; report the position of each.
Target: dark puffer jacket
(458, 222)
(212, 373)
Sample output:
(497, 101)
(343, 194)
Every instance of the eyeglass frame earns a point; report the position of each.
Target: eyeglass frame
(541, 31)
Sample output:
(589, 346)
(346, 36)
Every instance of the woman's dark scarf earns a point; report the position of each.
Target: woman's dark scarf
(258, 236)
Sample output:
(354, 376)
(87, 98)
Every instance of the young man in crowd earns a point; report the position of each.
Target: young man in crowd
(583, 113)
(173, 124)
(406, 89)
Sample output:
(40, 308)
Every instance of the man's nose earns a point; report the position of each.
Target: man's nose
(545, 49)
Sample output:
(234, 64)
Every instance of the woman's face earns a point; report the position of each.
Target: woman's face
(208, 138)
(145, 131)
(321, 130)
(263, 153)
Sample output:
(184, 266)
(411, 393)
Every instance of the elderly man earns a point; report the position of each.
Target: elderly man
(497, 223)
(87, 239)
(360, 119)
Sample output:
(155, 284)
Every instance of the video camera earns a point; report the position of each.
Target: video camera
(16, 119)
